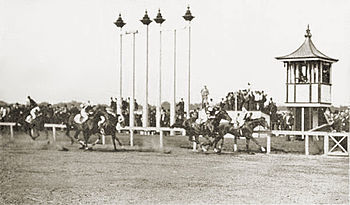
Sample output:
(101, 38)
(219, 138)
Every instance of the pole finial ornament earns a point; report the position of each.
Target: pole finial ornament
(308, 33)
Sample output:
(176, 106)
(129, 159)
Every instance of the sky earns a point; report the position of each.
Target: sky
(63, 50)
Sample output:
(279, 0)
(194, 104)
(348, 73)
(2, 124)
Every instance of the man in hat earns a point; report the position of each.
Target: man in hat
(204, 93)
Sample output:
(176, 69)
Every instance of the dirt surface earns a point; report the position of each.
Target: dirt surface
(35, 172)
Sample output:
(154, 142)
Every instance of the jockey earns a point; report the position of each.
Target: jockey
(3, 112)
(33, 106)
(211, 112)
(242, 117)
(202, 117)
(83, 114)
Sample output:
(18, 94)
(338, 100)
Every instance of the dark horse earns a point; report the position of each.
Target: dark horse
(71, 124)
(245, 131)
(34, 126)
(104, 122)
(208, 129)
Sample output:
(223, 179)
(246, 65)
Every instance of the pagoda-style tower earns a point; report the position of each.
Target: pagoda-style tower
(308, 84)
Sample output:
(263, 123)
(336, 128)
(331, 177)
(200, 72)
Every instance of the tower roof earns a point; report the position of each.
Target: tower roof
(307, 51)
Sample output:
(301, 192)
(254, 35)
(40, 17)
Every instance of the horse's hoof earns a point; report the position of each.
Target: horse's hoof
(204, 149)
(263, 149)
(251, 153)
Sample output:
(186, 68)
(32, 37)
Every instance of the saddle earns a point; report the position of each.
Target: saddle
(80, 119)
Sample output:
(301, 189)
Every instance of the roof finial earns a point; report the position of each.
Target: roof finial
(308, 33)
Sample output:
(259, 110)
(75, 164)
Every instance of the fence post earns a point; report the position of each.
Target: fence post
(161, 139)
(54, 133)
(306, 144)
(131, 137)
(11, 132)
(348, 139)
(268, 144)
(103, 139)
(325, 144)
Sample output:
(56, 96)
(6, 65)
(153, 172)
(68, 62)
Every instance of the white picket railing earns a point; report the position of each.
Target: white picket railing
(161, 131)
(144, 129)
(10, 124)
(326, 135)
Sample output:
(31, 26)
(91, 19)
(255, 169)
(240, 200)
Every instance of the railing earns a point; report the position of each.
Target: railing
(161, 131)
(144, 129)
(326, 136)
(54, 126)
(10, 124)
(306, 134)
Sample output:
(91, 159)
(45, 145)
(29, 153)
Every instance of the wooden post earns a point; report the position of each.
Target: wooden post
(348, 147)
(325, 144)
(268, 144)
(54, 133)
(306, 144)
(161, 139)
(131, 137)
(103, 139)
(302, 121)
(11, 132)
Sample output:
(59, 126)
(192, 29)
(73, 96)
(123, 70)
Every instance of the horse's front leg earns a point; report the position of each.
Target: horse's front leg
(247, 141)
(76, 138)
(262, 149)
(215, 143)
(235, 144)
(97, 140)
(117, 139)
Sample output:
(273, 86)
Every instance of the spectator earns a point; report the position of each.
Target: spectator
(204, 93)
(181, 107)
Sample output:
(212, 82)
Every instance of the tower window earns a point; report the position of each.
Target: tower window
(326, 74)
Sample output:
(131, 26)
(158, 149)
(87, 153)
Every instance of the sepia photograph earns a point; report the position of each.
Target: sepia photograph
(174, 102)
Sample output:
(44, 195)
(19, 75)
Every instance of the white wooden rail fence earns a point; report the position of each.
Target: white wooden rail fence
(306, 134)
(10, 124)
(144, 129)
(161, 131)
(326, 136)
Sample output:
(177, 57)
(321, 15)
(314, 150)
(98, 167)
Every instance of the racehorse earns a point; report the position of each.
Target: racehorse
(105, 122)
(245, 131)
(34, 126)
(208, 129)
(71, 124)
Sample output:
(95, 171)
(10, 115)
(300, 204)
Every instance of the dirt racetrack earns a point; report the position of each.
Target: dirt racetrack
(34, 172)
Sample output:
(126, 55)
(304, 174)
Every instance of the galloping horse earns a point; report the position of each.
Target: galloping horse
(78, 127)
(33, 126)
(105, 123)
(208, 129)
(245, 131)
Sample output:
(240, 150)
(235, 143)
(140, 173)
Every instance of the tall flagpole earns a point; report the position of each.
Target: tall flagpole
(146, 21)
(120, 23)
(173, 104)
(188, 17)
(159, 19)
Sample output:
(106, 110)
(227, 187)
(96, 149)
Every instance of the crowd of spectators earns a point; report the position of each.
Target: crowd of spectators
(339, 119)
